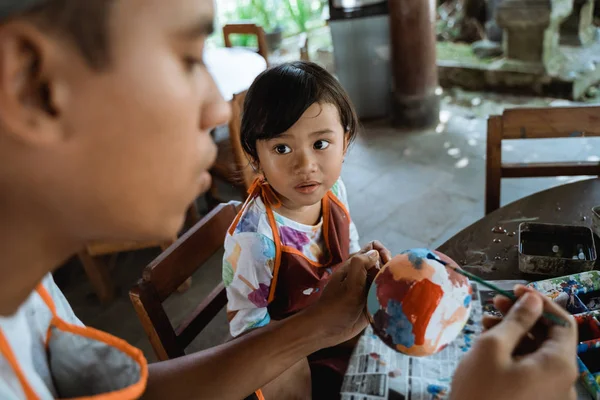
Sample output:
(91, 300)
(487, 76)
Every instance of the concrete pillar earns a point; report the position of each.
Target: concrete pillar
(415, 103)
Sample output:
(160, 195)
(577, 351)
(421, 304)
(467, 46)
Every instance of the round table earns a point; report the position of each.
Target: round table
(494, 256)
(233, 69)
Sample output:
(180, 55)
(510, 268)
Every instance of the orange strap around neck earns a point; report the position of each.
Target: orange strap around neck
(261, 187)
(8, 354)
(47, 298)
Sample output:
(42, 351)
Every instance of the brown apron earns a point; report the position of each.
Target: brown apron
(297, 281)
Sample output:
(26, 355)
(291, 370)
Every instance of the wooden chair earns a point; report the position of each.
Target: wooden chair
(536, 123)
(303, 45)
(247, 28)
(232, 165)
(94, 258)
(174, 266)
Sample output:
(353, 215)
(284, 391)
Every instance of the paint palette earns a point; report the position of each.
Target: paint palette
(417, 304)
(580, 294)
(554, 250)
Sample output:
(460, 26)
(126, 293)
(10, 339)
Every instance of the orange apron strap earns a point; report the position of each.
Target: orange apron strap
(262, 187)
(47, 298)
(253, 191)
(50, 303)
(259, 394)
(8, 354)
(277, 241)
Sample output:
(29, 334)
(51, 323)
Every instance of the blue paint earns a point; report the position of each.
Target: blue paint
(582, 347)
(399, 327)
(436, 390)
(467, 301)
(468, 338)
(416, 256)
(372, 300)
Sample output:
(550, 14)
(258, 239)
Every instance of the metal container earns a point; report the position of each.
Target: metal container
(350, 9)
(596, 220)
(353, 4)
(361, 49)
(555, 250)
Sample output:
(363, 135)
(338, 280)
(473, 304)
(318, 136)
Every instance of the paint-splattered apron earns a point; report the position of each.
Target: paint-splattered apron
(297, 281)
(85, 363)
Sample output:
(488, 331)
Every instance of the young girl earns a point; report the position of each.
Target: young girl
(294, 229)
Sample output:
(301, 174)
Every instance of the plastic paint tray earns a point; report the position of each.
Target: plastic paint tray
(596, 220)
(580, 295)
(555, 250)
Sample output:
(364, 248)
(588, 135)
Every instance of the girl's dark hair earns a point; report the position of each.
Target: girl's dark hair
(280, 95)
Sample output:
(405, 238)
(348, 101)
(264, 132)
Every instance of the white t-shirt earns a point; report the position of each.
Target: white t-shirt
(25, 332)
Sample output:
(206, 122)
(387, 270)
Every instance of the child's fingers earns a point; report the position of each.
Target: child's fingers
(384, 253)
(368, 247)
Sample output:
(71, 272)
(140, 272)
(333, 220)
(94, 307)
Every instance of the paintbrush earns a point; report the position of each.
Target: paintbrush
(550, 317)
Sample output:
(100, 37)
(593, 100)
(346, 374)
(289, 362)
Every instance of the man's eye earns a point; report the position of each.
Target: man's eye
(321, 144)
(282, 149)
(192, 62)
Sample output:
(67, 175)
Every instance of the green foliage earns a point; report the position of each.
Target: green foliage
(293, 16)
(305, 14)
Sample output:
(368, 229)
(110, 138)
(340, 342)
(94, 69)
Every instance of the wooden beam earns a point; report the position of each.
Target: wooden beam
(553, 122)
(550, 169)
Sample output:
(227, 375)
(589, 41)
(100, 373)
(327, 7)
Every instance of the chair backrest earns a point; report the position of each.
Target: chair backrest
(536, 123)
(303, 45)
(172, 268)
(247, 28)
(242, 160)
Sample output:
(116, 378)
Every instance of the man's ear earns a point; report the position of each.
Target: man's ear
(27, 100)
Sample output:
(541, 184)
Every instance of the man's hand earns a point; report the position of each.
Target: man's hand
(521, 357)
(340, 311)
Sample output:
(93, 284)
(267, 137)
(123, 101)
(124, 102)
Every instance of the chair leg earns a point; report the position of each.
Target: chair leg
(99, 275)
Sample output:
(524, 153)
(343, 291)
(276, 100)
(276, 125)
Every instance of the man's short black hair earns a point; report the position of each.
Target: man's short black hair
(83, 23)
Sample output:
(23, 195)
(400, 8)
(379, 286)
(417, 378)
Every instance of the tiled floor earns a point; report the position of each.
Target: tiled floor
(406, 189)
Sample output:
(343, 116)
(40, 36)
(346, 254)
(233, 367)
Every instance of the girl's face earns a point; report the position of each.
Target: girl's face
(304, 162)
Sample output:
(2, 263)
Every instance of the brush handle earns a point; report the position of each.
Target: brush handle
(550, 317)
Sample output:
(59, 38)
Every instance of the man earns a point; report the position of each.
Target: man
(105, 113)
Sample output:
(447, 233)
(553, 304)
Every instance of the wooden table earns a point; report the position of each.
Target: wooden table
(478, 249)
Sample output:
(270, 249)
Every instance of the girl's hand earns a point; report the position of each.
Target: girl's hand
(519, 357)
(384, 254)
(384, 257)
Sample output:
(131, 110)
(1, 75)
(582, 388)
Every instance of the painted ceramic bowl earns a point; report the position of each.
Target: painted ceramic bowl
(417, 304)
